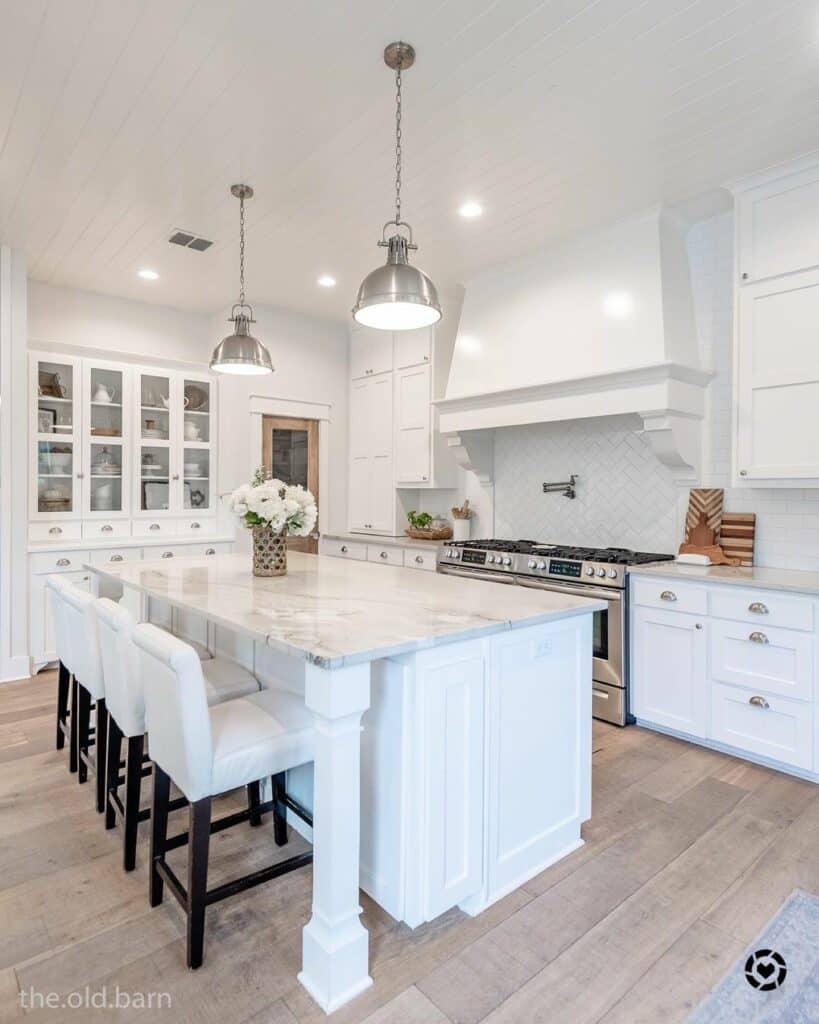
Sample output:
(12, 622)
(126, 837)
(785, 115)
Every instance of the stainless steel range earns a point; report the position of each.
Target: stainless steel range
(588, 572)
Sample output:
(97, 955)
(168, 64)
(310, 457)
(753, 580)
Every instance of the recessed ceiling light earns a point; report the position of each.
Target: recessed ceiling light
(148, 275)
(471, 208)
(327, 281)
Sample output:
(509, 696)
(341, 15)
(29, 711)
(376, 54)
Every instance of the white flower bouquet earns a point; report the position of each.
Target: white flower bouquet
(283, 508)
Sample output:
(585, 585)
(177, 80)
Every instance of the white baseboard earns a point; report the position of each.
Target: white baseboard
(15, 668)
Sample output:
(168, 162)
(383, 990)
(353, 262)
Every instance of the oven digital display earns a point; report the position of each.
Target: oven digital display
(557, 567)
(473, 557)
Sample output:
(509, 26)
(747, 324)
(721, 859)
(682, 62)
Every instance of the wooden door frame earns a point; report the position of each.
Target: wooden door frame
(270, 422)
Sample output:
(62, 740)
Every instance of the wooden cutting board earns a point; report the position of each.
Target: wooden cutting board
(737, 536)
(707, 502)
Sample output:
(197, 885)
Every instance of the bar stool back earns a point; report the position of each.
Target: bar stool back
(55, 585)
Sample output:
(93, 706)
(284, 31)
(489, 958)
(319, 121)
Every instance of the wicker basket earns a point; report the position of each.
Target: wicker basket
(442, 533)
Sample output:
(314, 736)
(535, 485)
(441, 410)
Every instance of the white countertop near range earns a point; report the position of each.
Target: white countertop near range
(332, 612)
(761, 577)
(402, 542)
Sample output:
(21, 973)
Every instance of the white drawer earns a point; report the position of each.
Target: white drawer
(386, 555)
(761, 658)
(112, 529)
(105, 556)
(772, 726)
(59, 561)
(762, 608)
(670, 595)
(217, 549)
(196, 527)
(161, 551)
(344, 549)
(155, 528)
(54, 531)
(414, 559)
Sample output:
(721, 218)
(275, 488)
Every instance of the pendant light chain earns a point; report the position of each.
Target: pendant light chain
(398, 153)
(241, 250)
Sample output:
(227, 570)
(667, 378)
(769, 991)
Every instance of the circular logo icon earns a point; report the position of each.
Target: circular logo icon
(765, 970)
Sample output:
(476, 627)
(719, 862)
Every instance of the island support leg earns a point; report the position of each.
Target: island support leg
(335, 943)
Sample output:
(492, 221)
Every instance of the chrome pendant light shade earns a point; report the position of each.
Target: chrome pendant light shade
(240, 353)
(397, 296)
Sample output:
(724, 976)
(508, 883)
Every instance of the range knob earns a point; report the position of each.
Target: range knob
(601, 572)
(532, 563)
(507, 560)
(541, 565)
(590, 571)
(456, 553)
(490, 559)
(612, 574)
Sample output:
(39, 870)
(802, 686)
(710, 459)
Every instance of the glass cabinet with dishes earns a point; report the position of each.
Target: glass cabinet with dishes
(111, 440)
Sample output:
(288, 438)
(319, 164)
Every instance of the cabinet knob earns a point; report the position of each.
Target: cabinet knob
(107, 528)
(743, 472)
(175, 476)
(758, 608)
(195, 526)
(668, 595)
(167, 554)
(758, 638)
(697, 625)
(154, 526)
(423, 478)
(344, 549)
(758, 702)
(80, 476)
(56, 530)
(426, 359)
(211, 551)
(115, 558)
(383, 554)
(419, 559)
(745, 276)
(63, 562)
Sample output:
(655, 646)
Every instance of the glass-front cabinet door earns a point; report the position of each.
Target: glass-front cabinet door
(106, 436)
(55, 385)
(156, 397)
(196, 396)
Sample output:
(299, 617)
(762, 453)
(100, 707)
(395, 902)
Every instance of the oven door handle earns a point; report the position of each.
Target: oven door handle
(493, 577)
(563, 588)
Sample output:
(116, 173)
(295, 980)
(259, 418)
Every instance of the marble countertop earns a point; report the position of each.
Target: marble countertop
(334, 612)
(764, 578)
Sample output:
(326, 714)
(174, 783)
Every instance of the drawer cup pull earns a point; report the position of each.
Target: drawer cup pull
(758, 638)
(63, 561)
(106, 529)
(668, 595)
(211, 551)
(115, 558)
(167, 554)
(154, 526)
(383, 555)
(56, 530)
(758, 608)
(758, 702)
(344, 549)
(419, 559)
(195, 526)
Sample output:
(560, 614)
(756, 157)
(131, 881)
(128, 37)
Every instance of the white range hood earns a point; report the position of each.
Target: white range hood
(599, 327)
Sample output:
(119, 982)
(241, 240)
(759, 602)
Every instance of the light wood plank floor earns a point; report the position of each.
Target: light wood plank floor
(688, 854)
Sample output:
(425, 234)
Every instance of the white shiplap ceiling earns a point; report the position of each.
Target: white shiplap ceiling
(121, 120)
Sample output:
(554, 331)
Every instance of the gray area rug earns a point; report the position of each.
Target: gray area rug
(777, 979)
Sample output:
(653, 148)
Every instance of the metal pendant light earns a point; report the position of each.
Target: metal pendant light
(240, 352)
(397, 297)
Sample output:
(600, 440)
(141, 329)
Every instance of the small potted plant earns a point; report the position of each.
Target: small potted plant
(273, 510)
(422, 526)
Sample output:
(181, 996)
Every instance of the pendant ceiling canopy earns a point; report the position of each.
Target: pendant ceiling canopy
(240, 353)
(397, 296)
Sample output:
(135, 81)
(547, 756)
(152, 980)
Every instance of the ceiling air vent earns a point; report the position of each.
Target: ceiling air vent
(189, 240)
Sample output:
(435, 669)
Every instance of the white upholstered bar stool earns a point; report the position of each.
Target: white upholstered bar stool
(125, 703)
(66, 681)
(207, 751)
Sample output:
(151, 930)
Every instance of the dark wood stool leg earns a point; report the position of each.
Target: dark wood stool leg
(254, 799)
(198, 844)
(83, 727)
(159, 831)
(101, 748)
(63, 686)
(279, 819)
(112, 756)
(133, 785)
(74, 728)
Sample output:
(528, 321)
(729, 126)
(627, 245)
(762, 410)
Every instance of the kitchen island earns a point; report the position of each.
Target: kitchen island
(453, 720)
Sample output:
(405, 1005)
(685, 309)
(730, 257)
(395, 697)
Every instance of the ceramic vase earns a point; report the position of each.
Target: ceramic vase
(269, 552)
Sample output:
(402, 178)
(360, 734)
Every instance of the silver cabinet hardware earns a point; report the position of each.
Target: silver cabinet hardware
(423, 478)
(107, 528)
(384, 554)
(344, 549)
(758, 608)
(426, 359)
(758, 702)
(175, 476)
(743, 472)
(116, 558)
(697, 625)
(56, 530)
(154, 526)
(80, 476)
(85, 579)
(419, 559)
(668, 595)
(196, 526)
(745, 276)
(63, 561)
(211, 551)
(167, 554)
(758, 638)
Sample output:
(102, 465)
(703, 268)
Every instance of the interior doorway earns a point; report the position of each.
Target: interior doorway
(290, 452)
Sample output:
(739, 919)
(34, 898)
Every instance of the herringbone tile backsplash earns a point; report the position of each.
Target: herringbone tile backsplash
(625, 496)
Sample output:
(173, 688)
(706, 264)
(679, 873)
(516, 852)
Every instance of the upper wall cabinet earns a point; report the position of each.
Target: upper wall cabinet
(370, 351)
(776, 381)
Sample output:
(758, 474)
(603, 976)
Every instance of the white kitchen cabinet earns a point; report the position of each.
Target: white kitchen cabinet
(412, 425)
(766, 726)
(413, 348)
(372, 497)
(55, 433)
(370, 351)
(668, 670)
